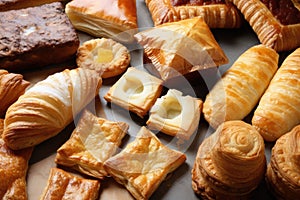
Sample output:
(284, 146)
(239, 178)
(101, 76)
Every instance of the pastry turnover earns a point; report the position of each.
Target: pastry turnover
(278, 110)
(63, 185)
(230, 163)
(93, 141)
(135, 91)
(116, 19)
(283, 173)
(106, 56)
(49, 106)
(175, 114)
(217, 14)
(11, 87)
(241, 86)
(143, 164)
(276, 23)
(181, 47)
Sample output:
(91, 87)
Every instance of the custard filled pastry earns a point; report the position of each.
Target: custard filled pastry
(230, 163)
(49, 106)
(241, 86)
(278, 110)
(283, 172)
(93, 141)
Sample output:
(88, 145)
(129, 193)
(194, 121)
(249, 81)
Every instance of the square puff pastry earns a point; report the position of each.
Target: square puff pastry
(116, 19)
(143, 164)
(93, 141)
(175, 114)
(135, 91)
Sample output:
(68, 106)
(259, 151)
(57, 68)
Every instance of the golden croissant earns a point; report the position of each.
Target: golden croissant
(49, 106)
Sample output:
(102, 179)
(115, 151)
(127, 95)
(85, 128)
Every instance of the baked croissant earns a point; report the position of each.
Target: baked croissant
(241, 86)
(279, 108)
(49, 106)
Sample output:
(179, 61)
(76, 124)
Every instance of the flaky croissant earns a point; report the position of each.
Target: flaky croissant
(49, 106)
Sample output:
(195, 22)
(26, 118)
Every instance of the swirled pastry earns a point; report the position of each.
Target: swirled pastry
(49, 106)
(283, 173)
(241, 86)
(278, 110)
(230, 163)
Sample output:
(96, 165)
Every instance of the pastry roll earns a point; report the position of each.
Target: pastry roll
(230, 163)
(63, 185)
(143, 164)
(217, 14)
(278, 110)
(241, 86)
(93, 141)
(276, 23)
(49, 106)
(283, 170)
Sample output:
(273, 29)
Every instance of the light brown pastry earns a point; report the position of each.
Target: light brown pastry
(278, 110)
(19, 4)
(283, 173)
(106, 56)
(143, 164)
(230, 163)
(49, 106)
(63, 185)
(178, 48)
(93, 141)
(220, 14)
(11, 87)
(238, 91)
(116, 19)
(276, 23)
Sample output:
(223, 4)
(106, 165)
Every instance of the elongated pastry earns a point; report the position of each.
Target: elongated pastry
(230, 163)
(217, 14)
(241, 86)
(278, 110)
(283, 175)
(49, 106)
(19, 4)
(276, 23)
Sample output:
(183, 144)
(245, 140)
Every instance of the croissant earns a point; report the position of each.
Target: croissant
(49, 106)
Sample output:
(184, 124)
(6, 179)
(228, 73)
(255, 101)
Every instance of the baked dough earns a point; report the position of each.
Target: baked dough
(238, 91)
(49, 106)
(175, 114)
(230, 163)
(6, 5)
(116, 19)
(93, 141)
(181, 47)
(143, 164)
(135, 91)
(63, 185)
(283, 173)
(271, 31)
(106, 56)
(278, 110)
(217, 15)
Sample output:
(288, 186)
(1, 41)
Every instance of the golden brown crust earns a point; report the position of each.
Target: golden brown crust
(19, 4)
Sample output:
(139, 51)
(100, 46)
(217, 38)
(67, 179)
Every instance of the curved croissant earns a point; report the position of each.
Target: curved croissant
(49, 106)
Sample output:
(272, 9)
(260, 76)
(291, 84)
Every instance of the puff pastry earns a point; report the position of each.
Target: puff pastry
(276, 23)
(143, 164)
(283, 173)
(63, 185)
(49, 106)
(230, 163)
(278, 110)
(11, 87)
(116, 19)
(106, 56)
(135, 91)
(220, 14)
(181, 47)
(93, 141)
(241, 86)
